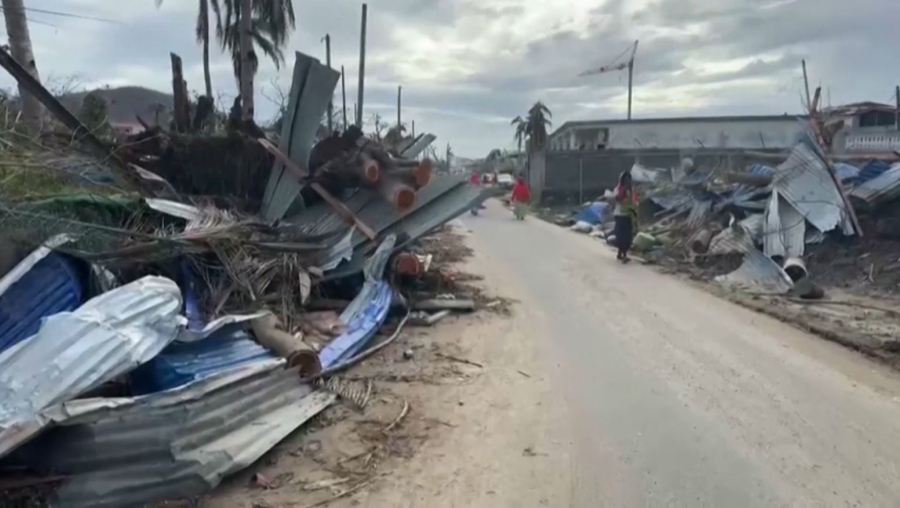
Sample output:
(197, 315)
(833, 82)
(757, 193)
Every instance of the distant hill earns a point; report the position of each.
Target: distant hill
(124, 103)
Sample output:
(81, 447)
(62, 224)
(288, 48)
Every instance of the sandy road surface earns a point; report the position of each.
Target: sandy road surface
(650, 392)
(618, 386)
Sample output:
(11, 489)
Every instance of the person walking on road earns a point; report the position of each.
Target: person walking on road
(521, 196)
(626, 201)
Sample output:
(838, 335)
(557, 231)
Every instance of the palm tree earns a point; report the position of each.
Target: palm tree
(202, 31)
(534, 128)
(268, 28)
(20, 48)
(520, 130)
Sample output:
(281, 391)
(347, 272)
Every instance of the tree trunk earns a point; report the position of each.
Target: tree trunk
(20, 48)
(246, 63)
(204, 11)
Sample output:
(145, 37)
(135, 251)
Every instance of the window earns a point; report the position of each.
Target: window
(877, 119)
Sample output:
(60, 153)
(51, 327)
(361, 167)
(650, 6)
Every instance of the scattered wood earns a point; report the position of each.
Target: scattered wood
(399, 417)
(436, 305)
(345, 493)
(460, 360)
(325, 484)
(524, 374)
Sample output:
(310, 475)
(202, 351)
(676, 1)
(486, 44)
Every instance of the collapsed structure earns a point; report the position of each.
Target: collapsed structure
(766, 214)
(156, 340)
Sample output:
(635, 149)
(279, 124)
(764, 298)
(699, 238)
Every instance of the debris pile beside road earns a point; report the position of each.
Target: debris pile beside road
(160, 330)
(805, 230)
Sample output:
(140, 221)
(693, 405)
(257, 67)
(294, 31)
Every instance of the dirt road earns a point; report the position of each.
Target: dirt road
(611, 386)
(651, 392)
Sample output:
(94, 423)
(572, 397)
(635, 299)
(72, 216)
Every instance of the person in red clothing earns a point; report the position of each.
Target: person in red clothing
(475, 179)
(626, 201)
(521, 196)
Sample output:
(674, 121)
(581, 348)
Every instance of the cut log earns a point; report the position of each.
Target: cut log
(285, 345)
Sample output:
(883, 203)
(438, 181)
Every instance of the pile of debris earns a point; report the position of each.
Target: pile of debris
(751, 227)
(154, 341)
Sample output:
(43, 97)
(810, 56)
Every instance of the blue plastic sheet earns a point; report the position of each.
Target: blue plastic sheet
(594, 213)
(361, 328)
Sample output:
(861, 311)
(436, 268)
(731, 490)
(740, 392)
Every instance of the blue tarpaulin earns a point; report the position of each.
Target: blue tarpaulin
(593, 213)
(181, 363)
(53, 284)
(366, 312)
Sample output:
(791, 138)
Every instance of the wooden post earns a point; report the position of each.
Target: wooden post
(179, 96)
(246, 41)
(330, 102)
(362, 66)
(581, 181)
(806, 86)
(344, 96)
(897, 117)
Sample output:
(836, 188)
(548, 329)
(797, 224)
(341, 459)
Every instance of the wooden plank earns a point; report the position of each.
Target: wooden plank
(338, 206)
(179, 95)
(814, 123)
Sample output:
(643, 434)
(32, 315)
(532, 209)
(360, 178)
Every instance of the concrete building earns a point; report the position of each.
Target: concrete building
(726, 132)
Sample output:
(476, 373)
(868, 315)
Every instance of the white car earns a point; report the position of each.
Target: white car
(505, 180)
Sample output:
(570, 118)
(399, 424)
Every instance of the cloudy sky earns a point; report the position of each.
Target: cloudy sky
(469, 66)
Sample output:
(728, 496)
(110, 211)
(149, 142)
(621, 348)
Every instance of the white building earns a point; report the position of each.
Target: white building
(725, 132)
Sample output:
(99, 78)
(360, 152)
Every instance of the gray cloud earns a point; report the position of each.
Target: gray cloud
(467, 66)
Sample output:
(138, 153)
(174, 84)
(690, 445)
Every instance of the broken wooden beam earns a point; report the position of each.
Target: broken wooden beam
(338, 206)
(181, 105)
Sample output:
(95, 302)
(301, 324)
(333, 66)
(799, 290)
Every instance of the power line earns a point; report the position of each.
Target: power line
(66, 15)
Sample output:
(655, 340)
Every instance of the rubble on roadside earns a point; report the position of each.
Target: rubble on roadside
(162, 329)
(807, 229)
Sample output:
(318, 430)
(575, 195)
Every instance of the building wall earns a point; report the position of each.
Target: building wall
(570, 174)
(681, 134)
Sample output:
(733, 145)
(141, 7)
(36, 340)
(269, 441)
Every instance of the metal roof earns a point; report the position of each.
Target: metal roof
(805, 182)
(182, 363)
(178, 443)
(76, 351)
(43, 284)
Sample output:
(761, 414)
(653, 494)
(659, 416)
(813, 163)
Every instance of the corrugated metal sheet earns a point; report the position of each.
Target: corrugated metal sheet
(882, 189)
(419, 146)
(421, 221)
(784, 229)
(311, 90)
(76, 351)
(805, 182)
(178, 443)
(43, 284)
(699, 211)
(442, 200)
(758, 273)
(179, 364)
(366, 313)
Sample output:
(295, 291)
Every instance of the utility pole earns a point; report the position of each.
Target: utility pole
(330, 102)
(399, 94)
(619, 67)
(806, 85)
(897, 116)
(630, 84)
(414, 129)
(362, 65)
(344, 96)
